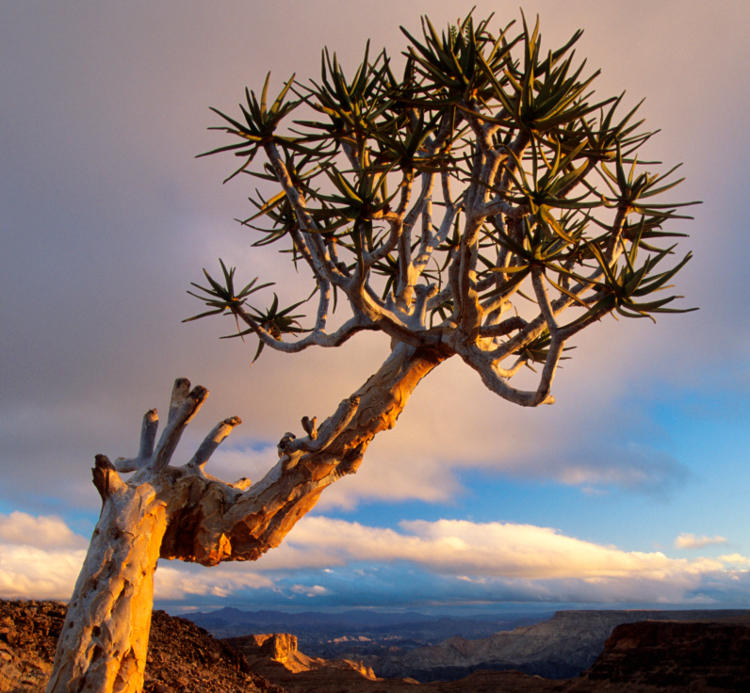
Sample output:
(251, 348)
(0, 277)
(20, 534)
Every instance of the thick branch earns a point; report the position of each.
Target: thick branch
(146, 448)
(222, 523)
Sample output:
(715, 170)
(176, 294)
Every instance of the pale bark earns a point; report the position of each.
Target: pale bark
(441, 295)
(104, 640)
(182, 512)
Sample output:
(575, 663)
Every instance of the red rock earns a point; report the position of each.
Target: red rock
(676, 656)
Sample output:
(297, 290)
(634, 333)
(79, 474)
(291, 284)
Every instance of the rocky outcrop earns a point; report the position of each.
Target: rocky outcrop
(281, 647)
(561, 647)
(674, 656)
(182, 657)
(644, 657)
(265, 652)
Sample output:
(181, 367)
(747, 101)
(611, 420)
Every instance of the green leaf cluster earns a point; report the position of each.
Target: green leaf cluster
(551, 173)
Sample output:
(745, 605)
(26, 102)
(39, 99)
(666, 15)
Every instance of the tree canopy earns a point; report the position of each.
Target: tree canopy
(482, 203)
(481, 199)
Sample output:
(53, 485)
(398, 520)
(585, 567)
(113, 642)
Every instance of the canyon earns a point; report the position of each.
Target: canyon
(640, 651)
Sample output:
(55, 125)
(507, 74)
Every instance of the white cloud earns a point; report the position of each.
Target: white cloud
(691, 541)
(502, 561)
(488, 559)
(40, 558)
(735, 560)
(46, 531)
(175, 580)
(462, 548)
(28, 572)
(309, 590)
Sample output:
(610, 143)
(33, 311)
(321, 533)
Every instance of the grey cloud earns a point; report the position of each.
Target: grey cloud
(107, 217)
(399, 585)
(631, 466)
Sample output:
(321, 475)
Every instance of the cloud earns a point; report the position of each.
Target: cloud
(736, 560)
(337, 561)
(20, 528)
(691, 541)
(40, 558)
(309, 590)
(178, 581)
(627, 465)
(463, 548)
(455, 561)
(28, 572)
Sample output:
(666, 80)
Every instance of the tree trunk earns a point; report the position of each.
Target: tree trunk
(182, 512)
(104, 640)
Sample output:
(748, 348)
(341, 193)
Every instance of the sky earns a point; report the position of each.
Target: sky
(630, 491)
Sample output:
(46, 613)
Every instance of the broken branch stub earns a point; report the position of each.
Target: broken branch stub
(103, 645)
(168, 511)
(513, 194)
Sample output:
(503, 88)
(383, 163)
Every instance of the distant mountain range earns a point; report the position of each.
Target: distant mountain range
(691, 651)
(559, 648)
(358, 631)
(429, 648)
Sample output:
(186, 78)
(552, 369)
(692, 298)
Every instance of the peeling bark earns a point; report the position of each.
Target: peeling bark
(182, 512)
(104, 640)
(557, 253)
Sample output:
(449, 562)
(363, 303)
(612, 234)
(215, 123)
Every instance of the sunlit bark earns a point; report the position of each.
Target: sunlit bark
(182, 512)
(479, 206)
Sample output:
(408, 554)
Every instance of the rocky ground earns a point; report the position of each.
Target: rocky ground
(644, 657)
(182, 658)
(669, 655)
(558, 648)
(28, 633)
(277, 658)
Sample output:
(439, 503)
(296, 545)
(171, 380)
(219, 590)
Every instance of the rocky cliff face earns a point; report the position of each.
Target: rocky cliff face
(675, 656)
(645, 657)
(281, 648)
(184, 658)
(562, 647)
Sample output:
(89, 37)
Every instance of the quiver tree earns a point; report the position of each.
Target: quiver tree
(481, 204)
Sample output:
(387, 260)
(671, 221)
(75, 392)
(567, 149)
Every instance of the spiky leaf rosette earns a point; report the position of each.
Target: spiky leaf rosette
(481, 199)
